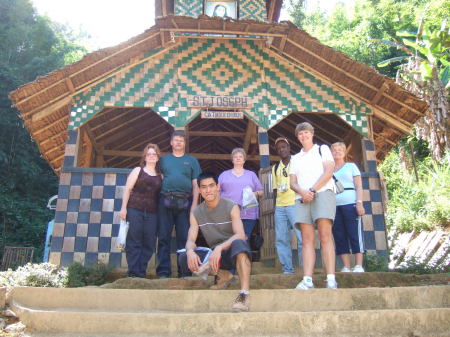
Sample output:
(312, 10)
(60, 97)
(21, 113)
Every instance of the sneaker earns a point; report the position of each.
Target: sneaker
(288, 273)
(241, 303)
(358, 269)
(331, 284)
(302, 285)
(346, 270)
(222, 280)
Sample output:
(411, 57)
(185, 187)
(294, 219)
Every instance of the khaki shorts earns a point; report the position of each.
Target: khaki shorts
(322, 207)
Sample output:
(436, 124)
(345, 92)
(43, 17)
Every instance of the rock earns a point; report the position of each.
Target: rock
(17, 327)
(8, 313)
(2, 323)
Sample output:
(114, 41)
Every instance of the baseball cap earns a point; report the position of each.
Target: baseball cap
(279, 139)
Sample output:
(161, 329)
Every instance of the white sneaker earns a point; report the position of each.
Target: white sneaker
(358, 269)
(346, 270)
(302, 285)
(331, 284)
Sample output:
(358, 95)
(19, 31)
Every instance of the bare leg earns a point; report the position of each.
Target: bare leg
(327, 244)
(244, 268)
(345, 260)
(309, 253)
(358, 259)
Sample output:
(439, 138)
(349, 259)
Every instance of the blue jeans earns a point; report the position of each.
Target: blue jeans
(284, 222)
(167, 219)
(141, 241)
(348, 230)
(249, 224)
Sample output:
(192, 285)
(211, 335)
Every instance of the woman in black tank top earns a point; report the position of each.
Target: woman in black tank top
(139, 208)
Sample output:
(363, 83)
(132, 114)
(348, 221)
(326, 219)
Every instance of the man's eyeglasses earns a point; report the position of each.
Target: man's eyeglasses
(284, 172)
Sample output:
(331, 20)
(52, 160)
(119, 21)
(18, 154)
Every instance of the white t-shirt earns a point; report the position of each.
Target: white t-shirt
(345, 175)
(308, 167)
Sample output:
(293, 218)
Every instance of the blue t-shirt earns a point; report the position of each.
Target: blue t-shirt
(345, 175)
(179, 172)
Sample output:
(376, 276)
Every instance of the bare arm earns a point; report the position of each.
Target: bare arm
(192, 258)
(359, 195)
(307, 196)
(195, 193)
(239, 234)
(131, 181)
(328, 170)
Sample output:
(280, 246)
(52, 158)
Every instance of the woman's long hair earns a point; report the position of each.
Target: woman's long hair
(216, 9)
(144, 154)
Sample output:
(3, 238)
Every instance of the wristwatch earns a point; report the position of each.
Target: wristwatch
(312, 189)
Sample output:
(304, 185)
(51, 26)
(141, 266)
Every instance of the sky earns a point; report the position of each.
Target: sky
(110, 22)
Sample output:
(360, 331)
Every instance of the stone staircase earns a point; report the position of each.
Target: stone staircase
(421, 311)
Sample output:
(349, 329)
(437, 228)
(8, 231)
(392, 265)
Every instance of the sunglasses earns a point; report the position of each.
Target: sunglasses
(284, 172)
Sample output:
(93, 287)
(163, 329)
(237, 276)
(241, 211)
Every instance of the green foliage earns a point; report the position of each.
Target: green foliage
(416, 205)
(30, 45)
(414, 266)
(352, 30)
(80, 276)
(375, 263)
(433, 48)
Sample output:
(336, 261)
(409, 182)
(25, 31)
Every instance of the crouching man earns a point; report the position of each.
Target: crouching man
(219, 220)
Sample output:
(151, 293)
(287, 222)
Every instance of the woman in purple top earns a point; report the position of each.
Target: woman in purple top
(232, 183)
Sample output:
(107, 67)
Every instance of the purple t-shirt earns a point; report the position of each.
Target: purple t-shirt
(231, 187)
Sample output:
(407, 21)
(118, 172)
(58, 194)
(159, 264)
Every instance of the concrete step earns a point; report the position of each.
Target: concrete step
(207, 301)
(83, 312)
(406, 322)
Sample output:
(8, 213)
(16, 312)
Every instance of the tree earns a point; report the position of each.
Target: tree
(30, 45)
(352, 30)
(427, 74)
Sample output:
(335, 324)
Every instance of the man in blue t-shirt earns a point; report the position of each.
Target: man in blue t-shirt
(179, 195)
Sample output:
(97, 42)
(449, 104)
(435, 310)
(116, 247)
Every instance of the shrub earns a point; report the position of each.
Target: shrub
(80, 276)
(417, 205)
(414, 266)
(375, 263)
(34, 275)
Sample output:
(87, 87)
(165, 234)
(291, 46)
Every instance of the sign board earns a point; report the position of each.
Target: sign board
(224, 102)
(222, 114)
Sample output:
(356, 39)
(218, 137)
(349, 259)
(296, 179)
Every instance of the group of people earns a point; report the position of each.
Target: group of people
(163, 193)
(306, 200)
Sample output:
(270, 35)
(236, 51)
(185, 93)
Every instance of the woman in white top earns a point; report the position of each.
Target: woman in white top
(311, 178)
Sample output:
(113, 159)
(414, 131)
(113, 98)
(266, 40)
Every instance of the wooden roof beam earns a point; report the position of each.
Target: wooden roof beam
(50, 125)
(216, 134)
(212, 156)
(251, 129)
(393, 121)
(317, 125)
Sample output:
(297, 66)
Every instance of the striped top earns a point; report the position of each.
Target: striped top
(215, 223)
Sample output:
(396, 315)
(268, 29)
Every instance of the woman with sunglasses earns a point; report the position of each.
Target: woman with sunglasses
(139, 208)
(284, 208)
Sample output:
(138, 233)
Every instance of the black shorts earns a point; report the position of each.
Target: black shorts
(228, 260)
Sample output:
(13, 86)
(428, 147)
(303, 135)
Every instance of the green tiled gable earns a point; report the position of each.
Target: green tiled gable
(189, 7)
(217, 67)
(253, 9)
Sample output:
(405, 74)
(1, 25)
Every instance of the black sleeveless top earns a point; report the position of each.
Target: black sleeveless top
(145, 193)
